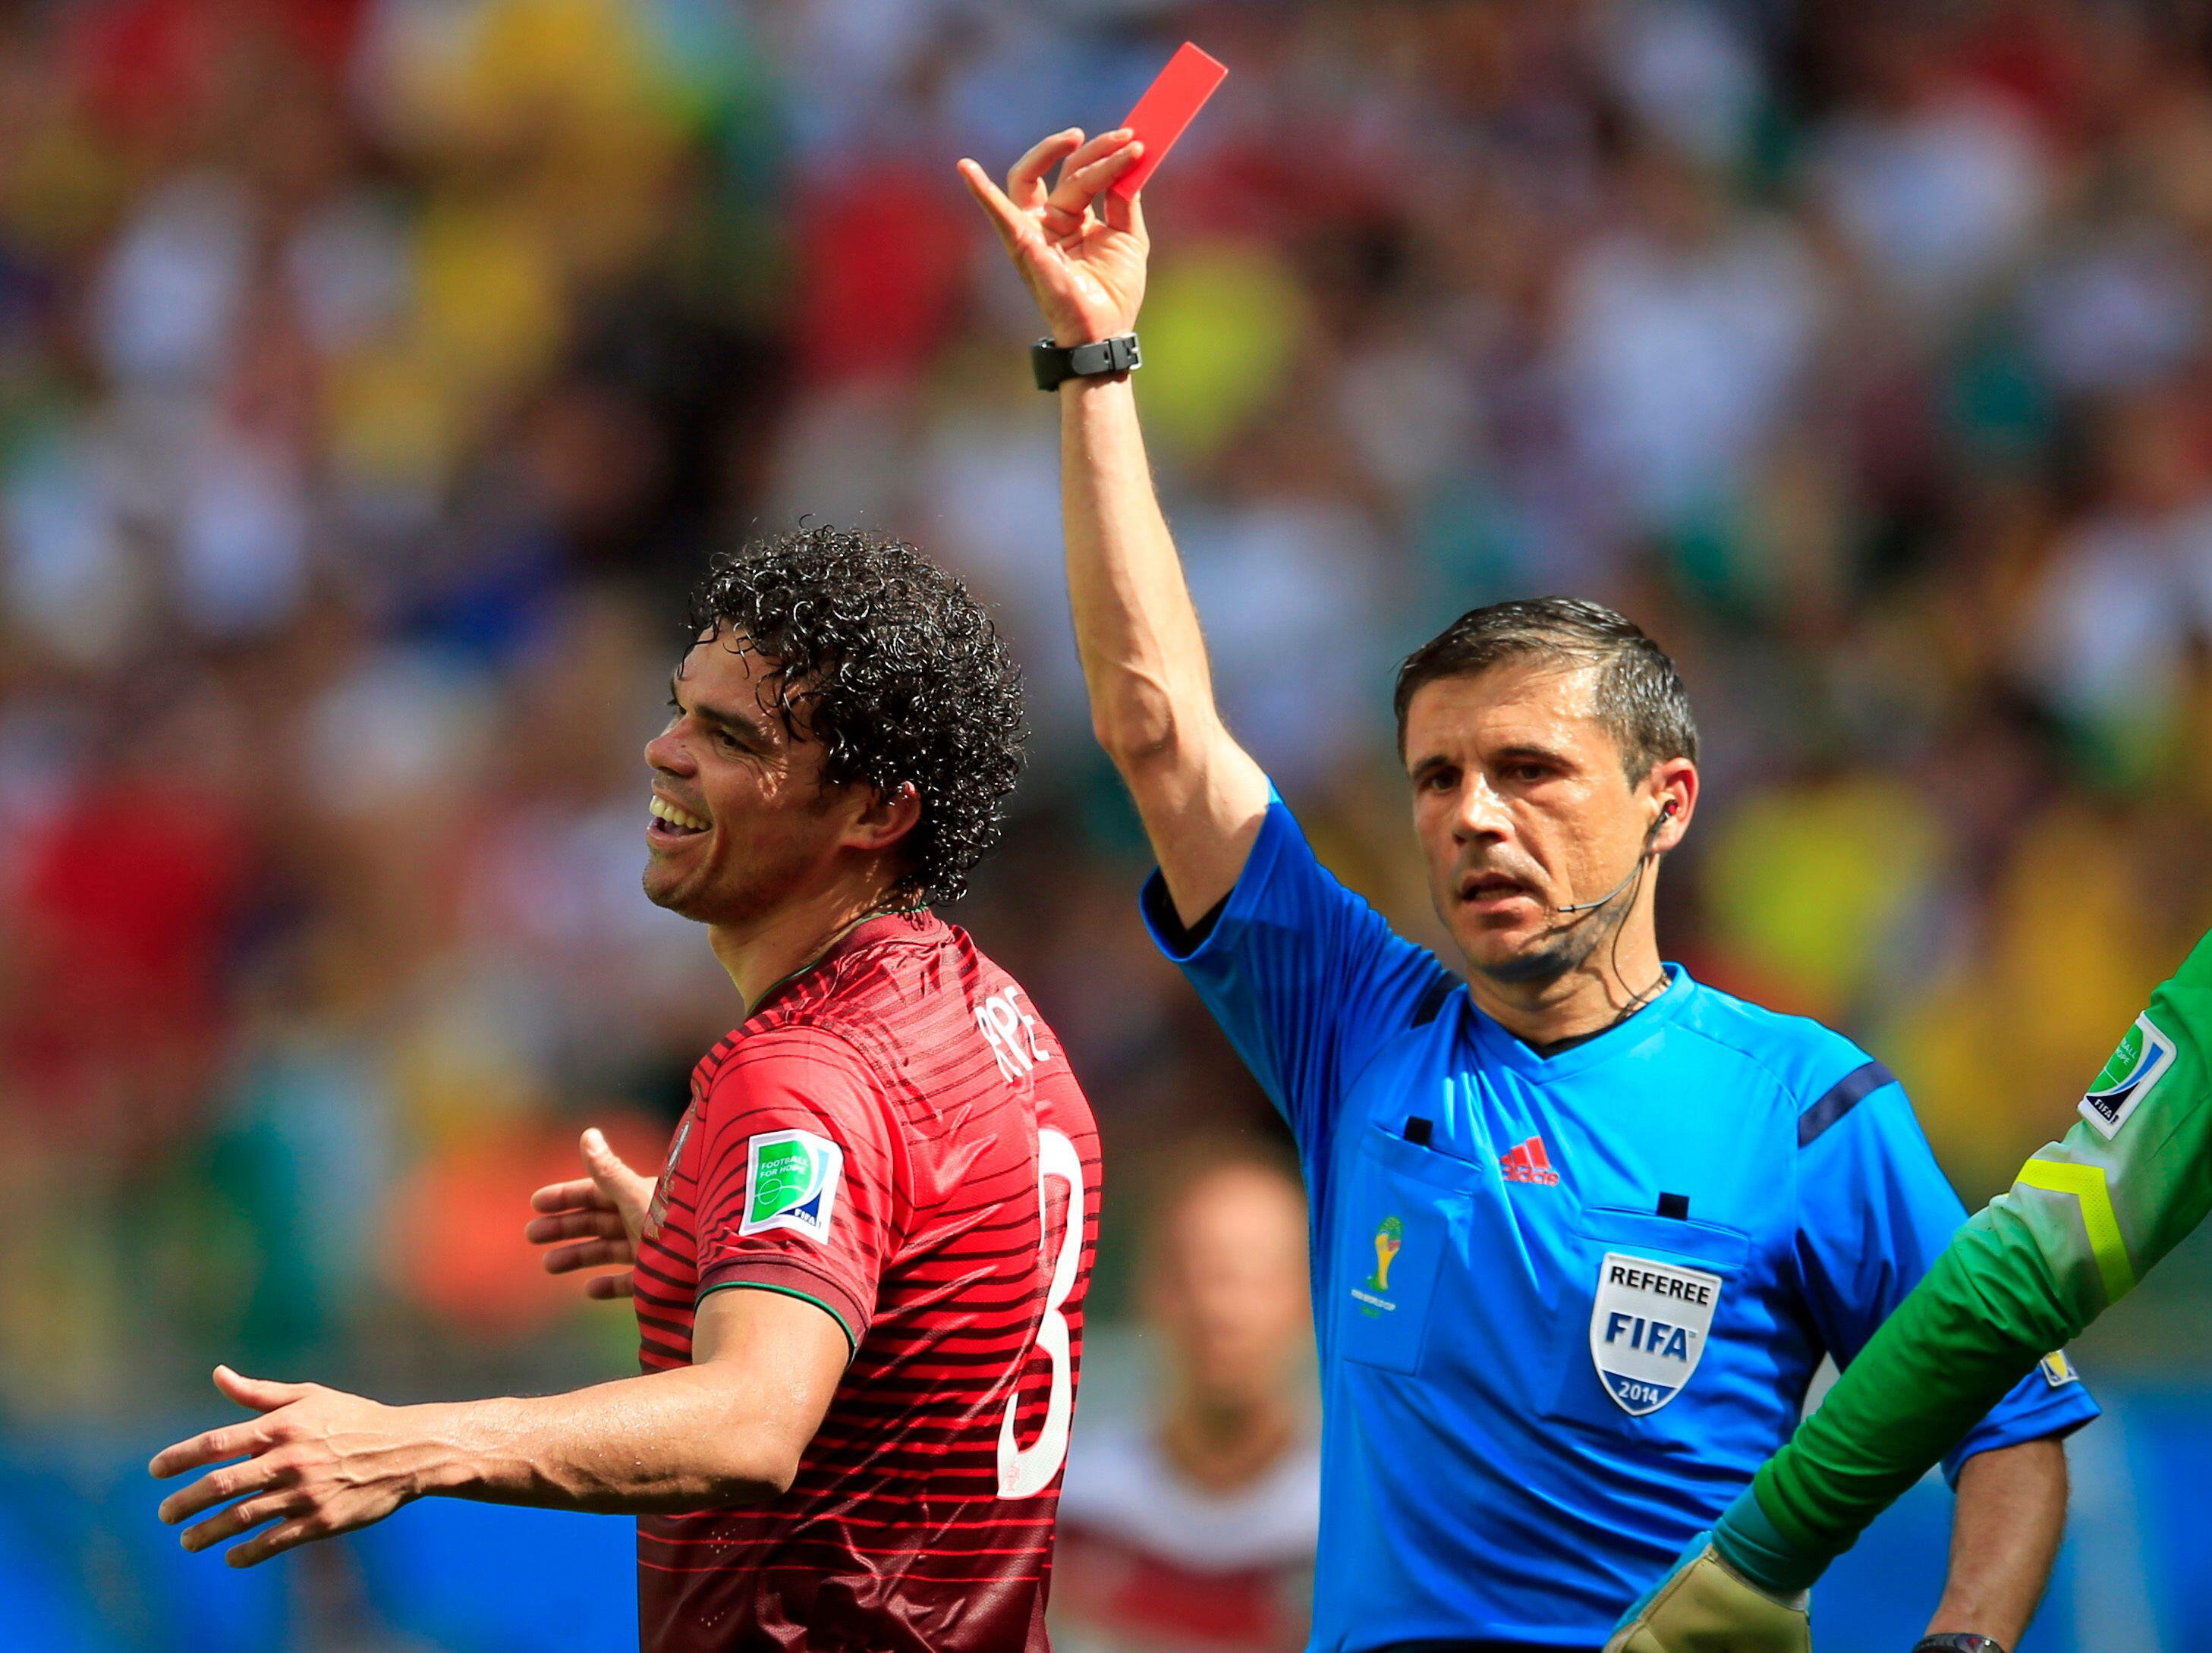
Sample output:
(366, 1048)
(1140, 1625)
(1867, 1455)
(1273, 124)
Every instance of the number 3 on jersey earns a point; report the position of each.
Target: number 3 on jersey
(1023, 1472)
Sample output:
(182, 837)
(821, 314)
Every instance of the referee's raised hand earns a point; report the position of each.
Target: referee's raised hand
(1080, 250)
(602, 1212)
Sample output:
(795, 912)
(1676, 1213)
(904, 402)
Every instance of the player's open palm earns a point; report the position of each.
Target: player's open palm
(318, 1462)
(1080, 248)
(594, 1222)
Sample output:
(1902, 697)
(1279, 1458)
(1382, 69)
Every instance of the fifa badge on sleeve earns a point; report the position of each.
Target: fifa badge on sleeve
(2128, 1077)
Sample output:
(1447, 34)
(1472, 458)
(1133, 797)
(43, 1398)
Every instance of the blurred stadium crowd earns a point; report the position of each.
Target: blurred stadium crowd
(373, 373)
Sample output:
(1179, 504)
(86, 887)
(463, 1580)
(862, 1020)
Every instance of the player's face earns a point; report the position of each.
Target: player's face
(739, 820)
(1522, 808)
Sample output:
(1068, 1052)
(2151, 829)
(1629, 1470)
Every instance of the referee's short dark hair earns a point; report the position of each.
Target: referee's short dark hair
(1639, 698)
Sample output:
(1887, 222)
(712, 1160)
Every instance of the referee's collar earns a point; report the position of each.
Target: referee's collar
(1495, 1045)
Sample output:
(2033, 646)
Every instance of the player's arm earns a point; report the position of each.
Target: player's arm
(726, 1430)
(2088, 1217)
(1082, 252)
(1876, 1212)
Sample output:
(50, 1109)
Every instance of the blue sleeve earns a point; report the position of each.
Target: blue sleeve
(1874, 1212)
(1306, 978)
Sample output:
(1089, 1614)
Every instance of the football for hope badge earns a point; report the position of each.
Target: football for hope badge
(1648, 1329)
(791, 1181)
(2140, 1063)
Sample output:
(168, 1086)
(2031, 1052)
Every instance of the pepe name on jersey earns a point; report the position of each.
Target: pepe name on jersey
(1648, 1329)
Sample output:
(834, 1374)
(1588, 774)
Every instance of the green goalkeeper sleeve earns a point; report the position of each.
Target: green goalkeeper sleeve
(2087, 1219)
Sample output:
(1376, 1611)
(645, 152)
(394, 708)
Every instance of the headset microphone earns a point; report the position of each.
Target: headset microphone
(1666, 814)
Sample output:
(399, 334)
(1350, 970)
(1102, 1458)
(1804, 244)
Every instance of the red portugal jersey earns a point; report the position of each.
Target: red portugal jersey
(895, 1136)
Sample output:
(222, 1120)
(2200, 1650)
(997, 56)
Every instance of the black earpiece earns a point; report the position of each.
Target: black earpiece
(1666, 814)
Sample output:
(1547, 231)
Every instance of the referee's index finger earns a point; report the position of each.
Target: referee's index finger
(1096, 150)
(1080, 185)
(1026, 181)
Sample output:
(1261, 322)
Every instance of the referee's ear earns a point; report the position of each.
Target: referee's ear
(1672, 788)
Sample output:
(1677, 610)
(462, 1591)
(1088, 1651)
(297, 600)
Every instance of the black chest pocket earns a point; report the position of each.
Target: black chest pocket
(1644, 1299)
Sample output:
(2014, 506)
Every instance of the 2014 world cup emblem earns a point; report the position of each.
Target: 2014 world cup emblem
(1389, 1237)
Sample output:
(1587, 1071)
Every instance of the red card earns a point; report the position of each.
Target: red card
(1166, 108)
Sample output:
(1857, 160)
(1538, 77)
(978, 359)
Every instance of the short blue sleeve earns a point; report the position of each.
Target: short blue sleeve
(1874, 1212)
(1306, 978)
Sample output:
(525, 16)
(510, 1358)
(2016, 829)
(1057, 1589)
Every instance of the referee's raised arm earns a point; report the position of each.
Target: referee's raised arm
(1081, 251)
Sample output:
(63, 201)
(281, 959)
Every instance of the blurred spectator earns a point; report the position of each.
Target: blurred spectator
(1937, 181)
(1190, 1528)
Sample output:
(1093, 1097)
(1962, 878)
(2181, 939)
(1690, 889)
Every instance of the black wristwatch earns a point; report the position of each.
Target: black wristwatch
(1959, 1641)
(1052, 364)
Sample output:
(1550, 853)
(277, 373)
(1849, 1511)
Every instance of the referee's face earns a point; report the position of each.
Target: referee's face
(740, 823)
(1522, 808)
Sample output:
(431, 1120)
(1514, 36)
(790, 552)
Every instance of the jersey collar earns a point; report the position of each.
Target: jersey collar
(884, 927)
(1494, 1045)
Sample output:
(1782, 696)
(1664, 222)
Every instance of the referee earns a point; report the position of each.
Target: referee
(1582, 1227)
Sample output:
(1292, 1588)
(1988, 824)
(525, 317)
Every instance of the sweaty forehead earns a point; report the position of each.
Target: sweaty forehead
(726, 660)
(721, 675)
(1521, 702)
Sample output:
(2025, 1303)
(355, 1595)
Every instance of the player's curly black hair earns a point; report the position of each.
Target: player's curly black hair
(894, 668)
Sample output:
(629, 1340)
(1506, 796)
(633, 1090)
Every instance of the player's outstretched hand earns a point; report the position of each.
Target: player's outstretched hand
(602, 1213)
(318, 1461)
(1080, 250)
(1705, 1606)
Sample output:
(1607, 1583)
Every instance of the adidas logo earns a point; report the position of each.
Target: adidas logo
(1529, 1163)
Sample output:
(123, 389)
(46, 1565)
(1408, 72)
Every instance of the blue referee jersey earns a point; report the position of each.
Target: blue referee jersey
(1565, 1305)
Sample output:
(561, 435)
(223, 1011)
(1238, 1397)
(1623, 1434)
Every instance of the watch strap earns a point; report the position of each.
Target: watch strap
(1959, 1641)
(1053, 365)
